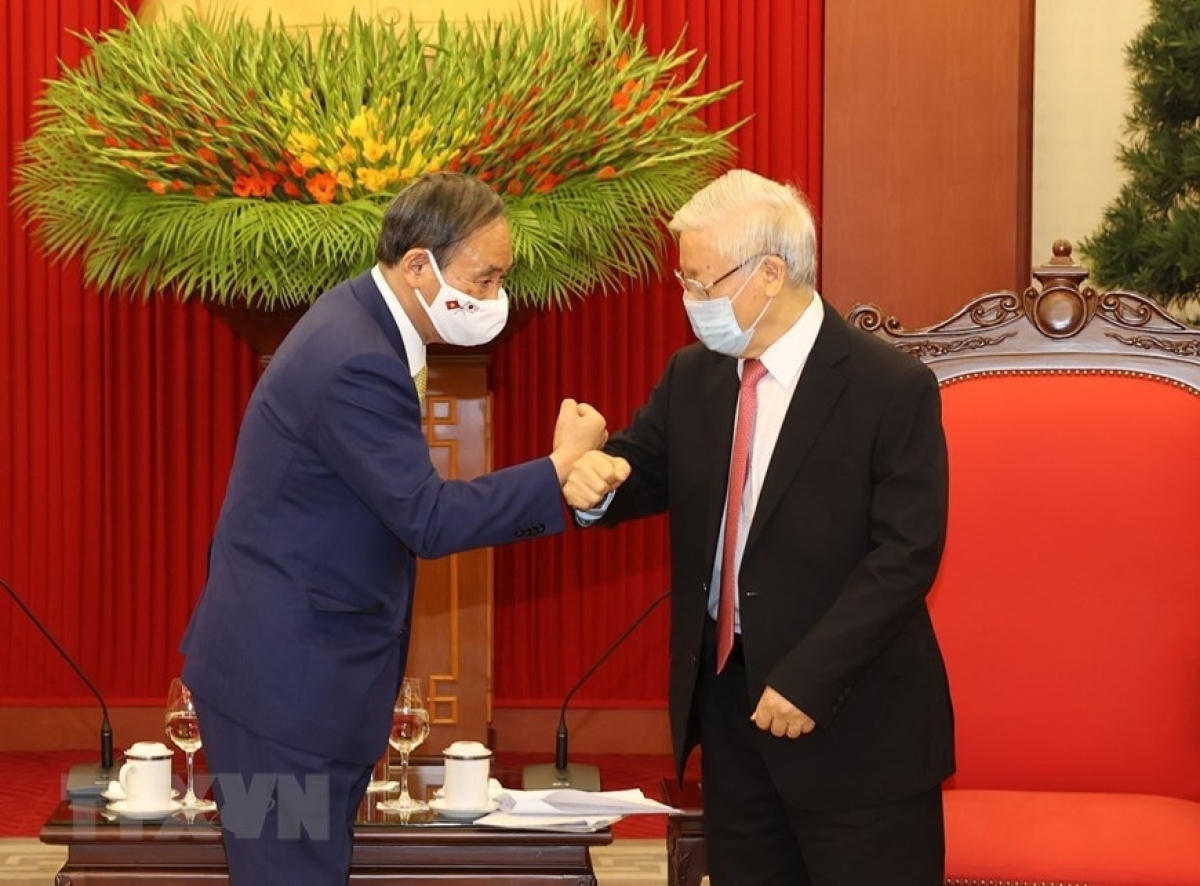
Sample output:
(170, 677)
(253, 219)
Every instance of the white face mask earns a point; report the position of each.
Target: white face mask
(461, 319)
(716, 325)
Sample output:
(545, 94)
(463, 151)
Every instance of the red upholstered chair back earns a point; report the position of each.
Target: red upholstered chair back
(1068, 602)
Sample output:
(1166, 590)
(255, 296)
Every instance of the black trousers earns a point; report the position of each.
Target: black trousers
(755, 838)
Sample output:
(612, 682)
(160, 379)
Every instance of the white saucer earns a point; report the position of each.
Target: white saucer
(438, 805)
(121, 807)
(382, 787)
(118, 796)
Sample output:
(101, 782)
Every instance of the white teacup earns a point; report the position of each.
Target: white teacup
(467, 765)
(145, 775)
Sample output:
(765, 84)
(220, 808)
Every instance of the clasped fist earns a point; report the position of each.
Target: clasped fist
(594, 476)
(579, 429)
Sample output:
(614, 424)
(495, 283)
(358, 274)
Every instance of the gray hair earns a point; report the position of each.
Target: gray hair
(436, 211)
(774, 219)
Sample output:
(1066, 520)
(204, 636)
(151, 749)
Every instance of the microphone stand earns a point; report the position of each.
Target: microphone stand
(561, 774)
(84, 779)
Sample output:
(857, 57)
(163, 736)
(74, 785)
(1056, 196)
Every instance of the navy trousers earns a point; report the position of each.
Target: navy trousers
(287, 815)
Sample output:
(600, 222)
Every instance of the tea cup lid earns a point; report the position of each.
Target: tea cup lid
(466, 750)
(149, 750)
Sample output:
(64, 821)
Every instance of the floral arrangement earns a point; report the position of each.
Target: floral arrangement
(221, 159)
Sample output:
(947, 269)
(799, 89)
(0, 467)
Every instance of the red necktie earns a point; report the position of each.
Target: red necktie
(739, 465)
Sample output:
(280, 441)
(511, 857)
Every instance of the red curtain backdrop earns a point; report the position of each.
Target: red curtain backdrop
(561, 601)
(119, 419)
(120, 416)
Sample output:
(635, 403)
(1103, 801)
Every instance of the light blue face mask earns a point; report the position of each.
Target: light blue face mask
(715, 324)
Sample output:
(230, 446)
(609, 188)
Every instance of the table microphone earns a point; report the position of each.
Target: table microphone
(560, 774)
(86, 779)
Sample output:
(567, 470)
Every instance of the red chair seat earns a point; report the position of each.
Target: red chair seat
(1028, 837)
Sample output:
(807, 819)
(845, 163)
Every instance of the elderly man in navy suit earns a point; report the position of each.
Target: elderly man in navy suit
(297, 646)
(803, 465)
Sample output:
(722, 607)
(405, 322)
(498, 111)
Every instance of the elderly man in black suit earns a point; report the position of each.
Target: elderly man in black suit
(803, 466)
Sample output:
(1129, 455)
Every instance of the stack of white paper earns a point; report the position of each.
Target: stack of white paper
(568, 809)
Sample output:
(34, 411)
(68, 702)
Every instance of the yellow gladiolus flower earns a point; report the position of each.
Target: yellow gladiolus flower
(371, 179)
(359, 127)
(344, 179)
(373, 151)
(309, 161)
(347, 154)
(420, 132)
(302, 142)
(415, 166)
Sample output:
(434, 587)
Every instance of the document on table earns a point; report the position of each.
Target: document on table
(568, 809)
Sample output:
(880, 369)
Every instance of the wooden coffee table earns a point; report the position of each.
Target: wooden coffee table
(104, 849)
(687, 853)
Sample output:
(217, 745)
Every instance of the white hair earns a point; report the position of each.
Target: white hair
(773, 219)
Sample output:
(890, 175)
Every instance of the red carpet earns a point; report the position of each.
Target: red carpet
(31, 785)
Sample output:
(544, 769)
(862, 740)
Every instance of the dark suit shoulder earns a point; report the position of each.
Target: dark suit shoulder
(876, 358)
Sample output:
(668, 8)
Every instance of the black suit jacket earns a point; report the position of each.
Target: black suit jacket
(843, 547)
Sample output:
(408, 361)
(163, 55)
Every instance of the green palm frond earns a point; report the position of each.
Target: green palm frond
(218, 159)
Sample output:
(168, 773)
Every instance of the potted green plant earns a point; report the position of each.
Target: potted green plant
(221, 160)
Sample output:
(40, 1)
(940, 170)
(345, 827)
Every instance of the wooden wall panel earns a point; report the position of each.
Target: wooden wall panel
(927, 152)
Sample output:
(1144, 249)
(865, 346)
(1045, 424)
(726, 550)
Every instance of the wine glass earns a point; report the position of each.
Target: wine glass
(184, 731)
(410, 727)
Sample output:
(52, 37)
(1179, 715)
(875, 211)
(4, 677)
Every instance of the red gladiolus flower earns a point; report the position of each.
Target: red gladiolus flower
(514, 188)
(547, 182)
(322, 187)
(242, 186)
(290, 188)
(208, 155)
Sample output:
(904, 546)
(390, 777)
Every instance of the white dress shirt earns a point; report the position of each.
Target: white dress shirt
(784, 361)
(413, 346)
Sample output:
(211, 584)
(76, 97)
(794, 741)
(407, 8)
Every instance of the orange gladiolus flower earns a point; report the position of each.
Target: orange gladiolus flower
(322, 187)
(242, 186)
(514, 188)
(547, 182)
(205, 192)
(290, 188)
(208, 155)
(606, 173)
(157, 186)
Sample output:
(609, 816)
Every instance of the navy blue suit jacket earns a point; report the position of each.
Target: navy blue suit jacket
(302, 630)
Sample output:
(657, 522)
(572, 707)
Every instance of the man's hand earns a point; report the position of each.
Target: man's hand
(594, 476)
(777, 715)
(579, 429)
